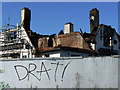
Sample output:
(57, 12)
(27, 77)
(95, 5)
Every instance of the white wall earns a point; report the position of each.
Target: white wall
(115, 46)
(92, 72)
(51, 54)
(55, 55)
(100, 42)
(65, 53)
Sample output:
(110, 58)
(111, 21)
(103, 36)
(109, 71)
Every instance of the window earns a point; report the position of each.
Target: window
(50, 42)
(92, 17)
(101, 34)
(115, 41)
(107, 41)
(25, 56)
(28, 46)
(13, 35)
(46, 55)
(73, 55)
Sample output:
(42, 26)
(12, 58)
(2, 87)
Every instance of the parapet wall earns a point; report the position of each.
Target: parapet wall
(77, 72)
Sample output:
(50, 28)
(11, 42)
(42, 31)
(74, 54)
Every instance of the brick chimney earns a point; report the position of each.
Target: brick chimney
(94, 19)
(25, 18)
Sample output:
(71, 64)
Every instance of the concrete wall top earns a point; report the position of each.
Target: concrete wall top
(55, 58)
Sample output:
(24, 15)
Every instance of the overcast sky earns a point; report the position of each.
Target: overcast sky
(50, 17)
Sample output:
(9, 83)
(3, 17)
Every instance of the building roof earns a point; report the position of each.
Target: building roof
(34, 37)
(58, 48)
(91, 36)
(95, 33)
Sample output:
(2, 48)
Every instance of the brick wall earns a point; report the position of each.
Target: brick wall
(73, 39)
(42, 43)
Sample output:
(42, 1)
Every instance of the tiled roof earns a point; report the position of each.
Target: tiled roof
(69, 49)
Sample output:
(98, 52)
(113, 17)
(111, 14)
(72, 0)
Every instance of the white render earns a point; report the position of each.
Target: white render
(91, 72)
(55, 55)
(68, 28)
(64, 53)
(100, 41)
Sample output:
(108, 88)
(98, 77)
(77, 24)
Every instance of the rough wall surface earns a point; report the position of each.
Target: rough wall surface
(42, 43)
(76, 72)
(73, 39)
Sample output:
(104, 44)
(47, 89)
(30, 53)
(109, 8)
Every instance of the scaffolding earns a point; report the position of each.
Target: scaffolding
(11, 41)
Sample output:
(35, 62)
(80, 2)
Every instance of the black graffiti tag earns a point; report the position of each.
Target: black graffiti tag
(44, 70)
(20, 66)
(64, 70)
(56, 69)
(31, 71)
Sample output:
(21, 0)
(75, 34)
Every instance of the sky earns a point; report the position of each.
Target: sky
(49, 17)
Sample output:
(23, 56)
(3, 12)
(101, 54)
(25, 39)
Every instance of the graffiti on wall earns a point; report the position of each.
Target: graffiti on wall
(33, 68)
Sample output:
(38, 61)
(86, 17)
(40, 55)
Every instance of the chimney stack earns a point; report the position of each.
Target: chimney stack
(68, 27)
(25, 18)
(94, 19)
